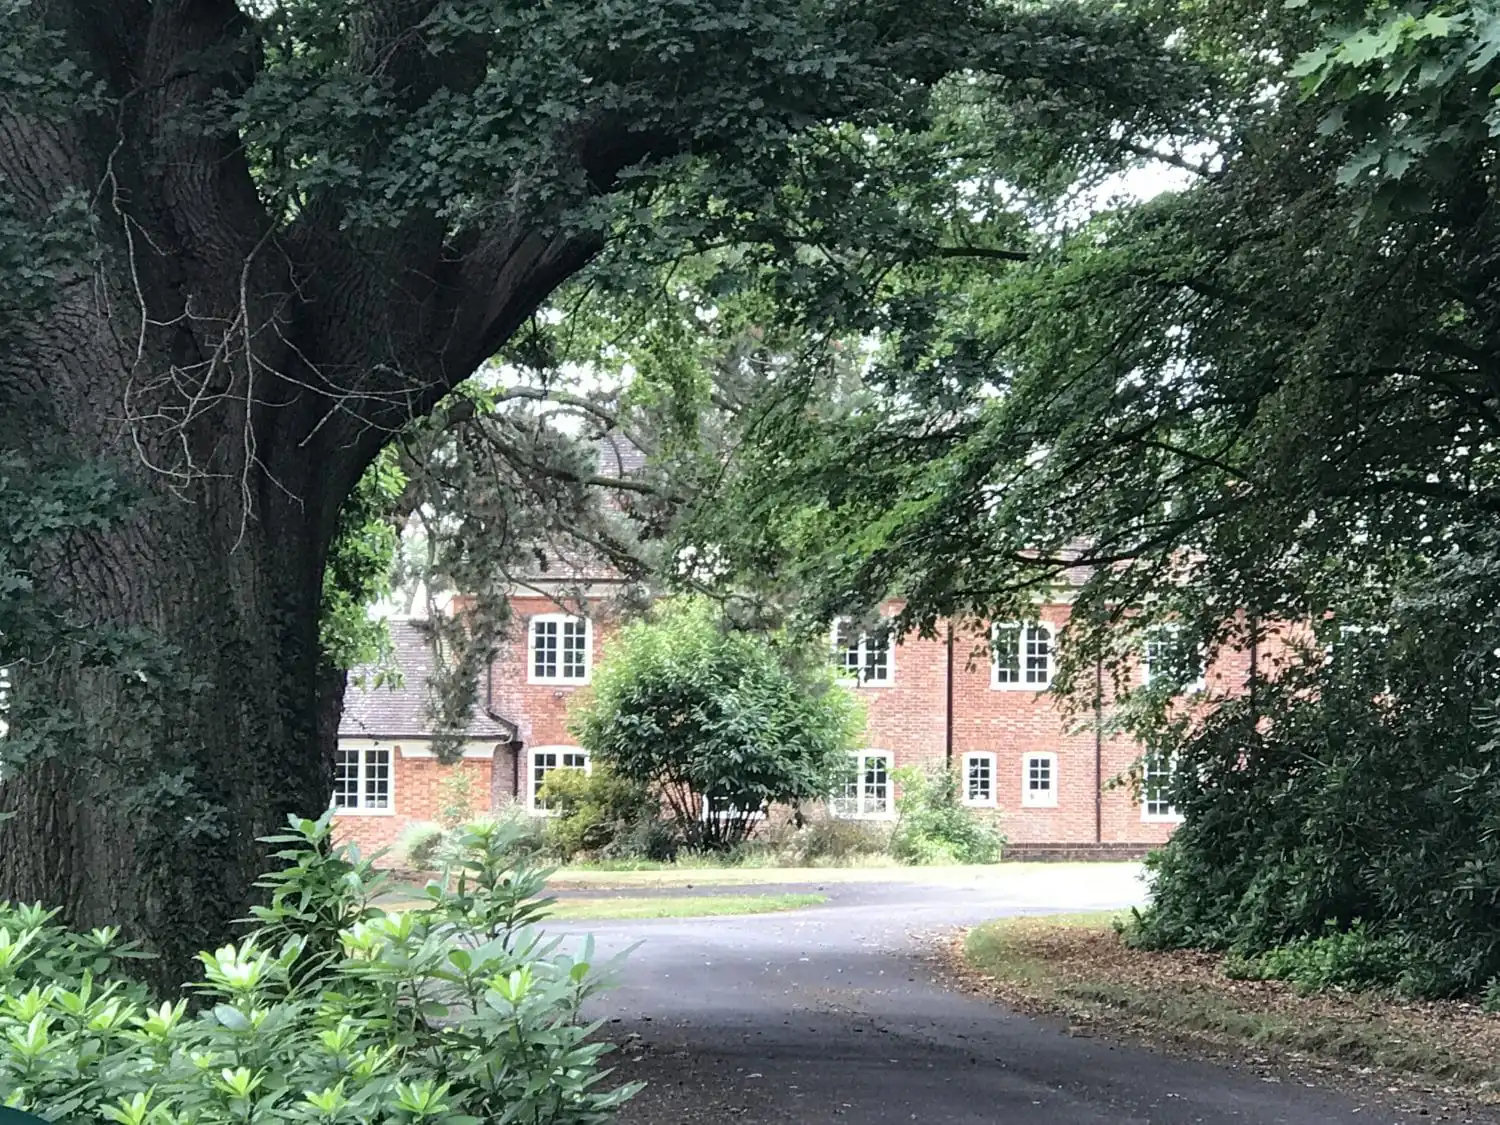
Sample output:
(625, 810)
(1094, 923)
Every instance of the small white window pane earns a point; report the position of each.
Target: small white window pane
(544, 649)
(377, 780)
(575, 657)
(1156, 783)
(1038, 654)
(980, 779)
(346, 780)
(876, 795)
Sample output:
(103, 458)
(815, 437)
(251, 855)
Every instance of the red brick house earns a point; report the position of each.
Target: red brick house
(930, 702)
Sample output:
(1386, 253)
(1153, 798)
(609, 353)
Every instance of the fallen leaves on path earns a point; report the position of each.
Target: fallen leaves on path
(1446, 1052)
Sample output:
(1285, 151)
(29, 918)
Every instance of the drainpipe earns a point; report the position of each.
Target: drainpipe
(1254, 664)
(1098, 750)
(948, 749)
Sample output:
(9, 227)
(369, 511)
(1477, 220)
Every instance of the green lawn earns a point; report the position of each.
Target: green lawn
(687, 875)
(679, 906)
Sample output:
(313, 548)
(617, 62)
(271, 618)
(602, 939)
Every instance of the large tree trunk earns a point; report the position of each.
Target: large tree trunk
(150, 815)
(238, 369)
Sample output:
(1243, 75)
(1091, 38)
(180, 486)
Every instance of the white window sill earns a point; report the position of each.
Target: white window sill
(988, 804)
(1035, 689)
(889, 814)
(364, 812)
(558, 682)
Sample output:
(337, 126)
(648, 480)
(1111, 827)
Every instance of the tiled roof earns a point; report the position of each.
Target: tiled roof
(404, 711)
(618, 456)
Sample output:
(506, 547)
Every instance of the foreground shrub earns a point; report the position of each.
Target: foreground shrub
(431, 847)
(934, 827)
(330, 1010)
(597, 811)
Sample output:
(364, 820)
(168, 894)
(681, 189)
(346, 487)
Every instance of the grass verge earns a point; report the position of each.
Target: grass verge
(1076, 966)
(679, 906)
(689, 875)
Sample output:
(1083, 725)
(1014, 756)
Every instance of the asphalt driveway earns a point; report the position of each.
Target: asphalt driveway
(832, 1014)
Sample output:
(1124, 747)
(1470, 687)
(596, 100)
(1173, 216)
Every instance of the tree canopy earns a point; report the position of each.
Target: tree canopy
(243, 246)
(1263, 391)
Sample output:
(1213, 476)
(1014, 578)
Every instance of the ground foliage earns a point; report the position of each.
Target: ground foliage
(1440, 1054)
(330, 1009)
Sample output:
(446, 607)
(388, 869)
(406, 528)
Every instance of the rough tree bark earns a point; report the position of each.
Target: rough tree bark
(241, 374)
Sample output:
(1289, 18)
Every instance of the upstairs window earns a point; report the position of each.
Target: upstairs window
(1022, 658)
(362, 779)
(861, 658)
(1039, 780)
(865, 792)
(979, 780)
(1168, 657)
(559, 646)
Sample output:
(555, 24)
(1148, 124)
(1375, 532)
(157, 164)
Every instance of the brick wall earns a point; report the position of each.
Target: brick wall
(417, 793)
(906, 718)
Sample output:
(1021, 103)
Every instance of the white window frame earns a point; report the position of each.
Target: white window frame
(531, 781)
(364, 748)
(861, 758)
(1039, 799)
(1154, 636)
(1170, 815)
(992, 801)
(561, 620)
(1022, 628)
(705, 814)
(862, 648)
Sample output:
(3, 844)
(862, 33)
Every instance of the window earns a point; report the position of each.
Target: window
(1166, 656)
(865, 792)
(979, 780)
(559, 649)
(724, 808)
(860, 657)
(1039, 780)
(1023, 657)
(545, 759)
(1156, 790)
(362, 779)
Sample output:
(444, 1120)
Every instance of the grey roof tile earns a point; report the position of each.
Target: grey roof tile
(404, 712)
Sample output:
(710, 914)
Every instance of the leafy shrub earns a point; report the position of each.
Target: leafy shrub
(431, 847)
(330, 1011)
(706, 715)
(932, 825)
(1337, 959)
(832, 841)
(456, 798)
(1304, 814)
(593, 810)
(419, 844)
